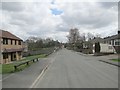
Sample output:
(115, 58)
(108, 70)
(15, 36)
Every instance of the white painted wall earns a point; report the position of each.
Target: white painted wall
(105, 48)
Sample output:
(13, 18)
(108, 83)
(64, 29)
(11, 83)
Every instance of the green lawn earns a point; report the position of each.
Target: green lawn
(31, 57)
(9, 68)
(116, 60)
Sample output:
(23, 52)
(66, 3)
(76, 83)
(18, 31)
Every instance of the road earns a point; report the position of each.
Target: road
(67, 69)
(25, 78)
(71, 70)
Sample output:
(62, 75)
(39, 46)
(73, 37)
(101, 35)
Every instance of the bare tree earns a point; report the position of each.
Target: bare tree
(75, 40)
(90, 36)
(97, 35)
(83, 37)
(73, 36)
(36, 43)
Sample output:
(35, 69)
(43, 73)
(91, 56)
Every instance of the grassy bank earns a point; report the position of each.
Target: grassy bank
(9, 68)
(116, 60)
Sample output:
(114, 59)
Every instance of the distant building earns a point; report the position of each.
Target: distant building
(105, 47)
(11, 47)
(109, 44)
(114, 41)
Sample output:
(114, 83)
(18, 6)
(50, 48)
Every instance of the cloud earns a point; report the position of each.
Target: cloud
(89, 14)
(46, 19)
(108, 5)
(12, 6)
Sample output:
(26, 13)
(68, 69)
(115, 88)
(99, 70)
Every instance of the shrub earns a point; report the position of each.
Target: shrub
(97, 47)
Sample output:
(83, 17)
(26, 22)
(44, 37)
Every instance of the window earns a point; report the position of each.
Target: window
(117, 42)
(112, 42)
(19, 42)
(5, 41)
(15, 42)
(5, 55)
(11, 41)
(110, 47)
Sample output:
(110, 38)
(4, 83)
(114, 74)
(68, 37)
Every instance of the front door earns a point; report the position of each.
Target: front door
(13, 56)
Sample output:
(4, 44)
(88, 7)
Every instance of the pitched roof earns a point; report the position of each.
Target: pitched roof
(6, 34)
(112, 37)
(98, 39)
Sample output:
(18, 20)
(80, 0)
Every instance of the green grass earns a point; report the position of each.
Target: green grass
(116, 60)
(9, 68)
(35, 56)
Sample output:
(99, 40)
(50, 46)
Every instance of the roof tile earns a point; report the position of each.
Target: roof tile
(6, 34)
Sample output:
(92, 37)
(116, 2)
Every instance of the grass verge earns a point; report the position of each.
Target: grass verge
(9, 68)
(116, 60)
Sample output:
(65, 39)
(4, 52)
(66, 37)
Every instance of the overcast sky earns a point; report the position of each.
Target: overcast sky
(54, 18)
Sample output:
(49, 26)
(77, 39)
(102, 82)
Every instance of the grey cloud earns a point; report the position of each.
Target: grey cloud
(104, 20)
(62, 28)
(0, 5)
(93, 17)
(35, 22)
(37, 32)
(12, 6)
(108, 4)
(17, 22)
(23, 17)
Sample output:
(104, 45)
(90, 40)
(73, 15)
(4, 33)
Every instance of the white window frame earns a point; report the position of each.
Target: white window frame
(117, 40)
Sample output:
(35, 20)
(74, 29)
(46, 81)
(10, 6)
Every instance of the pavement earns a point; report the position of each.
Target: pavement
(104, 58)
(66, 69)
(108, 59)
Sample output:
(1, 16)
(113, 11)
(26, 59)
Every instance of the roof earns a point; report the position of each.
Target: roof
(6, 34)
(112, 37)
(101, 40)
(95, 40)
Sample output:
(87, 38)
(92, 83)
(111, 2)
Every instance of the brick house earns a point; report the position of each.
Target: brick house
(10, 46)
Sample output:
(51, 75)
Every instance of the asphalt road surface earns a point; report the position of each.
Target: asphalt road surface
(67, 69)
(71, 70)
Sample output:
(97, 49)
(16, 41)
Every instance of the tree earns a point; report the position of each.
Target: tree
(90, 36)
(75, 40)
(97, 35)
(97, 47)
(39, 43)
(73, 36)
(83, 37)
(36, 43)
